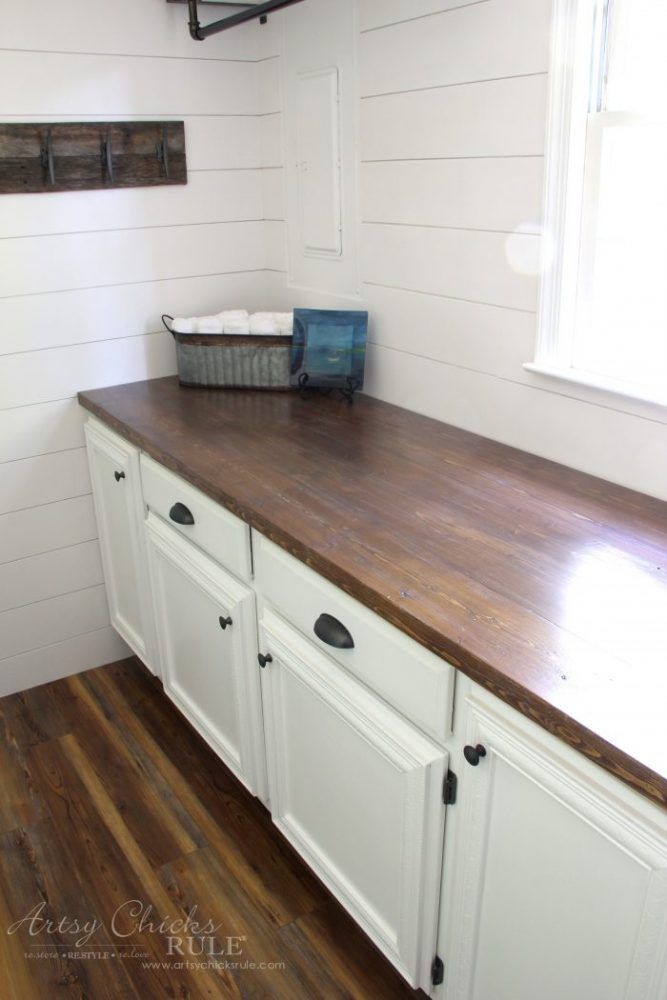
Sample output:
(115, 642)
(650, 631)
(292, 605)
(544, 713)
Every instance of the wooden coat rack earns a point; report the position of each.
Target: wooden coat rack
(81, 156)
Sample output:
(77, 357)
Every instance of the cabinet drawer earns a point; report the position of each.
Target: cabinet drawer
(198, 518)
(410, 678)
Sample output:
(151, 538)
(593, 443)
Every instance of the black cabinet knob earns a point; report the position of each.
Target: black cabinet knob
(263, 660)
(180, 514)
(474, 754)
(330, 630)
(118, 476)
(224, 622)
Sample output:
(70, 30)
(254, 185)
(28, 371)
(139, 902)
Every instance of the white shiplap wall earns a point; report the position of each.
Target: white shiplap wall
(452, 122)
(84, 278)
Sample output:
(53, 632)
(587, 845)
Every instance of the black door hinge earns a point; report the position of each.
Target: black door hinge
(449, 788)
(438, 971)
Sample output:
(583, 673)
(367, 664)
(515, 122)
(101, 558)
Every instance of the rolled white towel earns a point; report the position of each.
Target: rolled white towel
(182, 325)
(239, 326)
(285, 322)
(235, 321)
(234, 316)
(209, 324)
(264, 324)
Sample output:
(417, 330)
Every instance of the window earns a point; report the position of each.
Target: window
(603, 316)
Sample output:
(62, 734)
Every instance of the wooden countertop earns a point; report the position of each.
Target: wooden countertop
(546, 586)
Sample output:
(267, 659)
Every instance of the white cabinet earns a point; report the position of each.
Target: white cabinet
(207, 641)
(114, 471)
(556, 874)
(358, 791)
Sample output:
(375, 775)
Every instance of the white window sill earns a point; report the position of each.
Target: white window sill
(626, 390)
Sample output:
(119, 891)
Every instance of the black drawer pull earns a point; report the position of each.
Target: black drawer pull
(224, 622)
(474, 754)
(118, 476)
(330, 630)
(263, 659)
(180, 514)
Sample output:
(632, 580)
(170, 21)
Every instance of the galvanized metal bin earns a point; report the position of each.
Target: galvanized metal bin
(232, 361)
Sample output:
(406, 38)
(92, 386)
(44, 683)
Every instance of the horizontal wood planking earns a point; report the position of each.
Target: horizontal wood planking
(61, 659)
(275, 246)
(492, 194)
(459, 263)
(85, 315)
(33, 265)
(467, 156)
(209, 196)
(485, 338)
(86, 276)
(271, 140)
(26, 533)
(223, 142)
(123, 26)
(273, 193)
(31, 482)
(457, 46)
(496, 118)
(49, 574)
(619, 447)
(39, 376)
(269, 86)
(26, 431)
(491, 340)
(380, 13)
(47, 622)
(103, 85)
(270, 37)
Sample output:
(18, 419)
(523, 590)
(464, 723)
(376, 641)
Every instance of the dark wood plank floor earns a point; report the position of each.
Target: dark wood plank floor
(113, 811)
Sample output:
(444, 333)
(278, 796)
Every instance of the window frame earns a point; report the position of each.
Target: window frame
(574, 129)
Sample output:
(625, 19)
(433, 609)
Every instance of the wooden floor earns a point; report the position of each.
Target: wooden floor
(115, 817)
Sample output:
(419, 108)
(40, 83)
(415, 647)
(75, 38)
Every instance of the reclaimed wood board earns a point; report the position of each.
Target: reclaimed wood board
(81, 156)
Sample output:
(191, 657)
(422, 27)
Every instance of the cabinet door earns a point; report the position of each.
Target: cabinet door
(114, 470)
(358, 792)
(207, 640)
(556, 875)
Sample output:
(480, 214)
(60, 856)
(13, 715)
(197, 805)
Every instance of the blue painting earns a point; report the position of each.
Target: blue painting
(329, 348)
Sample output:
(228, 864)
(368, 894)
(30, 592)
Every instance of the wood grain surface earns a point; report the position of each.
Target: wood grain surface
(112, 797)
(545, 585)
(79, 159)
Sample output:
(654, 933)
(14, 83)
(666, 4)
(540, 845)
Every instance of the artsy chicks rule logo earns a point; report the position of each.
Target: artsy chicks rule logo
(130, 923)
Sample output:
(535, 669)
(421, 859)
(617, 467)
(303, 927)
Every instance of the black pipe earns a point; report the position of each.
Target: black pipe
(200, 32)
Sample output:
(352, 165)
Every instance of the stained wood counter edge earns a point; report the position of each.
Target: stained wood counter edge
(628, 770)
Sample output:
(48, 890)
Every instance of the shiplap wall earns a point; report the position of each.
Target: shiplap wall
(452, 123)
(85, 276)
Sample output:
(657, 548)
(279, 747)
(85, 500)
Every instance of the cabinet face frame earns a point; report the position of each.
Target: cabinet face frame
(102, 443)
(231, 598)
(418, 684)
(633, 826)
(422, 765)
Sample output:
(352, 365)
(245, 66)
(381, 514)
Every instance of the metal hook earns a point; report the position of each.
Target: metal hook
(162, 152)
(46, 156)
(107, 154)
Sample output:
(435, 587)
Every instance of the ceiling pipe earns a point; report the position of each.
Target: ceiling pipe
(200, 32)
